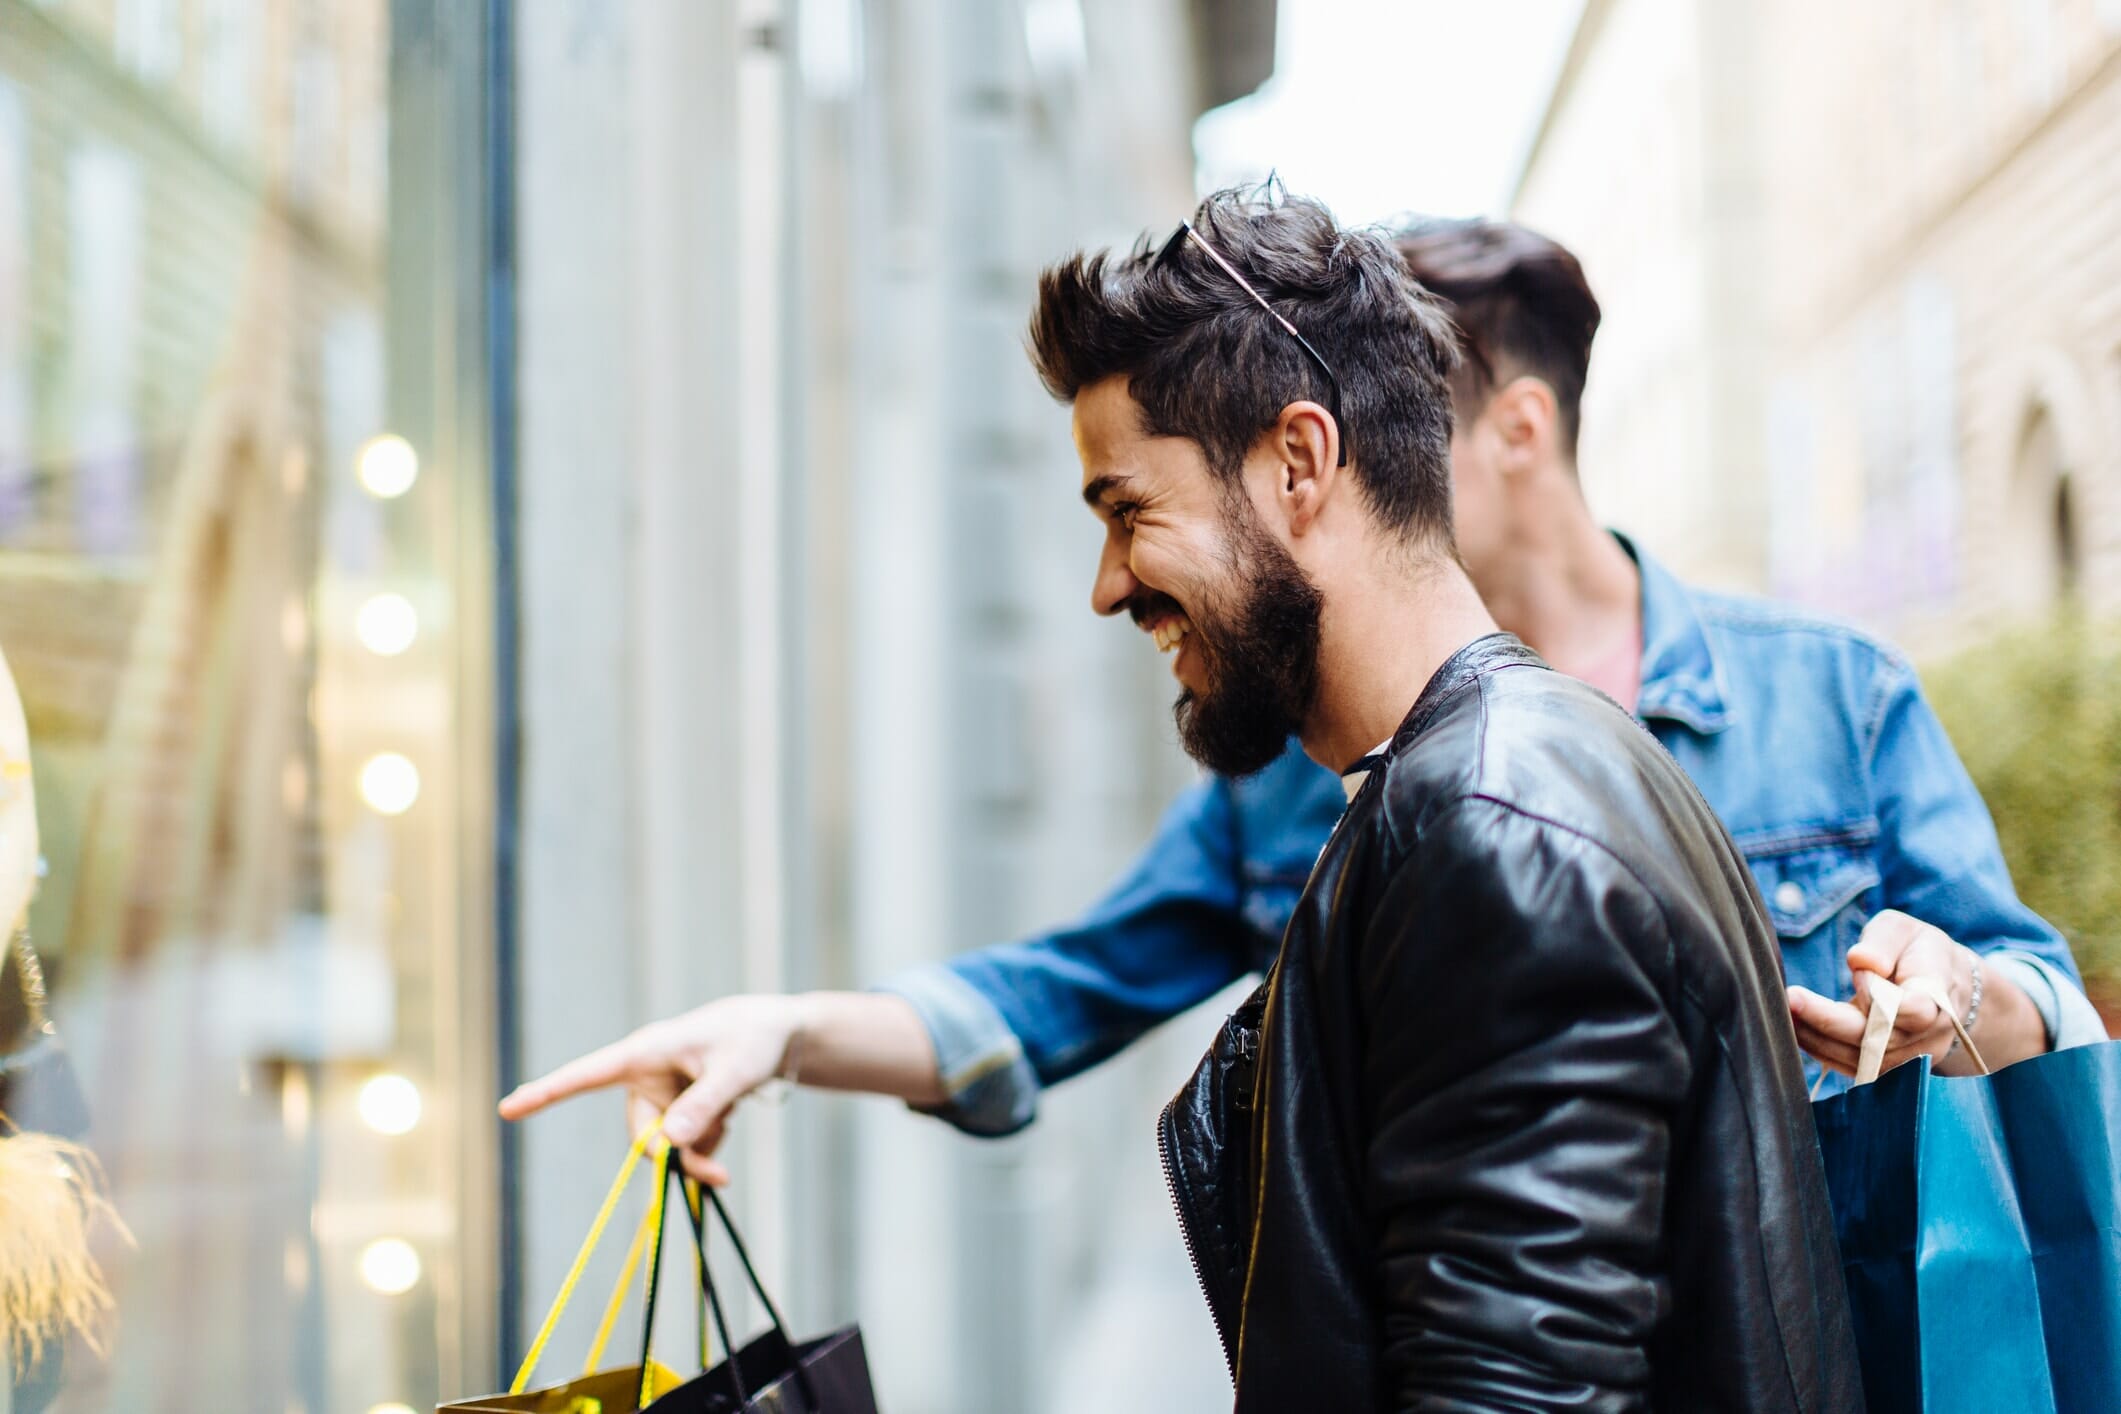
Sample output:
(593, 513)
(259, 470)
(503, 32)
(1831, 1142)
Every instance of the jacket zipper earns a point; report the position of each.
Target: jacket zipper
(1185, 1231)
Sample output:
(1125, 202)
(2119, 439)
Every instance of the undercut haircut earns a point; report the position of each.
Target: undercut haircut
(1205, 362)
(1520, 304)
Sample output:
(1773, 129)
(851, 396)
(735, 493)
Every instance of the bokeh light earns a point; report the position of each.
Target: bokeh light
(390, 783)
(387, 625)
(387, 466)
(390, 1265)
(390, 1104)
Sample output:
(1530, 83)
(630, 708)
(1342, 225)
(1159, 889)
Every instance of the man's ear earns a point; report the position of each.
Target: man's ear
(1306, 449)
(1528, 419)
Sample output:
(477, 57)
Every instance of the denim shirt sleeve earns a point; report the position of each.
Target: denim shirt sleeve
(1009, 1019)
(1940, 860)
(2068, 1015)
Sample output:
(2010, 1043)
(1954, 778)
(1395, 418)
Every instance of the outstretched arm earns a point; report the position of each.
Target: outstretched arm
(693, 1069)
(975, 1038)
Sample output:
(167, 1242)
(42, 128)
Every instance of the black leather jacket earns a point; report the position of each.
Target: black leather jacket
(1516, 1122)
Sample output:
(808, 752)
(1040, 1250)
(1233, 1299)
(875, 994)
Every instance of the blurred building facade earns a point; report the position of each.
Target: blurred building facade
(1862, 280)
(516, 520)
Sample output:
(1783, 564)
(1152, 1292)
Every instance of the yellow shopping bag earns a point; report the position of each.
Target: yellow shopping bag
(628, 1388)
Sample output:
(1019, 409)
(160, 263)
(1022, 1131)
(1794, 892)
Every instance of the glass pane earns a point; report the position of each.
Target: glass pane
(228, 597)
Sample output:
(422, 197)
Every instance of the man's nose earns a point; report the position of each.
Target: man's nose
(1115, 583)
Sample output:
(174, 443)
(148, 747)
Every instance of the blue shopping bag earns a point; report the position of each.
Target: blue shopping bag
(1980, 1228)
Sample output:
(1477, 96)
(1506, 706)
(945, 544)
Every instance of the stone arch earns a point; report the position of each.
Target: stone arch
(2053, 438)
(2047, 378)
(2041, 508)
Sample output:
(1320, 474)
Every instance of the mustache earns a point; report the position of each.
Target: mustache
(1148, 604)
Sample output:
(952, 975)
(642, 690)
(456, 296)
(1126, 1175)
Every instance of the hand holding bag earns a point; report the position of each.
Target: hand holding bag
(1980, 1227)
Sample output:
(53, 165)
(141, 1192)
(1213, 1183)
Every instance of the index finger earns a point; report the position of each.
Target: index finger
(612, 1065)
(1884, 940)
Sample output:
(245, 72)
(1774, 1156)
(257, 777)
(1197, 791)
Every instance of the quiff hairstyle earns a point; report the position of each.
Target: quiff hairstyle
(1207, 363)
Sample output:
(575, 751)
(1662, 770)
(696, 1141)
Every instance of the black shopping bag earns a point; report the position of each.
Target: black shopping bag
(773, 1374)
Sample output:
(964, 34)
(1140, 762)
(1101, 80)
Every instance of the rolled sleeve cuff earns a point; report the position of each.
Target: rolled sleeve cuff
(991, 1087)
(2069, 1016)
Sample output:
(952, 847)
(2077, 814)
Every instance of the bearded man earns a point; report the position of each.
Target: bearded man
(1516, 1119)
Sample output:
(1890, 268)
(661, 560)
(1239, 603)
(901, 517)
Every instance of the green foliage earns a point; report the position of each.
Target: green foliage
(2037, 717)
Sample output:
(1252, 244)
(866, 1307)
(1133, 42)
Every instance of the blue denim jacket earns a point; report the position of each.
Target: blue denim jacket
(1812, 741)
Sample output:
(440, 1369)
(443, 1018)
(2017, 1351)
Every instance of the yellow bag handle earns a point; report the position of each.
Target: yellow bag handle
(641, 1238)
(617, 1302)
(648, 1136)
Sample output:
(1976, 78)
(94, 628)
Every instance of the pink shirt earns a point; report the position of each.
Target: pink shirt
(1619, 674)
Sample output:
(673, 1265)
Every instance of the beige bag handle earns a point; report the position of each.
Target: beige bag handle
(1885, 1009)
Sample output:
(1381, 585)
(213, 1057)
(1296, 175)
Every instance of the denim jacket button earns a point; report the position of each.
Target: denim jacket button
(1789, 897)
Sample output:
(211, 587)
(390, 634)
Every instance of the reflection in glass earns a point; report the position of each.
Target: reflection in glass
(387, 625)
(388, 466)
(390, 783)
(248, 957)
(390, 1104)
(390, 1265)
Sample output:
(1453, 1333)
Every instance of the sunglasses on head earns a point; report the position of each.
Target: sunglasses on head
(1184, 233)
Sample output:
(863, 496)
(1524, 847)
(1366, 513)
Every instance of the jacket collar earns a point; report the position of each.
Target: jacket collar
(1681, 681)
(1483, 655)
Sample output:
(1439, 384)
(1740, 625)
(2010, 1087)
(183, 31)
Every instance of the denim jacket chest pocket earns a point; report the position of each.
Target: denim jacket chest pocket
(1820, 887)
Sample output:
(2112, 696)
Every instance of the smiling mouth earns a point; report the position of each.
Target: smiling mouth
(1170, 632)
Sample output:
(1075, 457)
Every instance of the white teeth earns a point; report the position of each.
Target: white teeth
(1169, 634)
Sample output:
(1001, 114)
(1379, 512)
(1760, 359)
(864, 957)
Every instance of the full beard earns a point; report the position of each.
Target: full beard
(1261, 662)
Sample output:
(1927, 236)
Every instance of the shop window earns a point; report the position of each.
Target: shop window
(228, 598)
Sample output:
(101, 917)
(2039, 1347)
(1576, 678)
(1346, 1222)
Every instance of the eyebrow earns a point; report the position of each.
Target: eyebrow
(1094, 494)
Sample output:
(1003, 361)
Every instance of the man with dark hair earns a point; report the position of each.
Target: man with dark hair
(1197, 374)
(1517, 1120)
(1811, 741)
